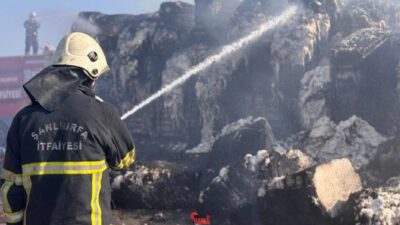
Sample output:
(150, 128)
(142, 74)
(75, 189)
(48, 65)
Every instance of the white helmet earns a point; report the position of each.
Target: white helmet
(81, 50)
(33, 15)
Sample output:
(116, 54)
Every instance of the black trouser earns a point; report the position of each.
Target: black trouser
(31, 41)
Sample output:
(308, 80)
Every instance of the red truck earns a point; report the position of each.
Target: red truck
(14, 72)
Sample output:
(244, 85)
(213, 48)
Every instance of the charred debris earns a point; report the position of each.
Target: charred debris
(302, 127)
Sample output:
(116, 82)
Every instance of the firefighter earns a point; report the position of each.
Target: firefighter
(60, 147)
(31, 34)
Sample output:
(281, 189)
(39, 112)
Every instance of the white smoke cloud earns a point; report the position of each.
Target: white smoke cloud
(86, 26)
(56, 24)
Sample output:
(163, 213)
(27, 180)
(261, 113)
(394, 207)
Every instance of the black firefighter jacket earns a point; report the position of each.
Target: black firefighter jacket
(58, 152)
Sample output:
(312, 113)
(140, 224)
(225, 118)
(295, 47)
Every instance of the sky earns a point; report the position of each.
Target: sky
(56, 17)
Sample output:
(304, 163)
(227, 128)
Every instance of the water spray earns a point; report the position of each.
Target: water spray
(226, 51)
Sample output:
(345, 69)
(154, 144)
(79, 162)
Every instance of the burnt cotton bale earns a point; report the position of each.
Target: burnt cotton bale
(311, 197)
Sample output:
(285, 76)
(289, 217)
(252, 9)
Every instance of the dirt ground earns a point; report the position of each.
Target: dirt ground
(143, 217)
(152, 217)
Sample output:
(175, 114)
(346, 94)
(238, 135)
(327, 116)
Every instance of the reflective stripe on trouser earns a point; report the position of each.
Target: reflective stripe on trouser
(94, 168)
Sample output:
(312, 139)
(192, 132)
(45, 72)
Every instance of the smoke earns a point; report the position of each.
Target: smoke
(56, 24)
(214, 13)
(56, 21)
(86, 26)
(226, 51)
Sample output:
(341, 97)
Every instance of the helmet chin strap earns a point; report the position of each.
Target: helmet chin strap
(93, 81)
(87, 73)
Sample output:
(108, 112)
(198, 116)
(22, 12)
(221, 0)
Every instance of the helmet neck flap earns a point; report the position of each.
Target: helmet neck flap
(54, 84)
